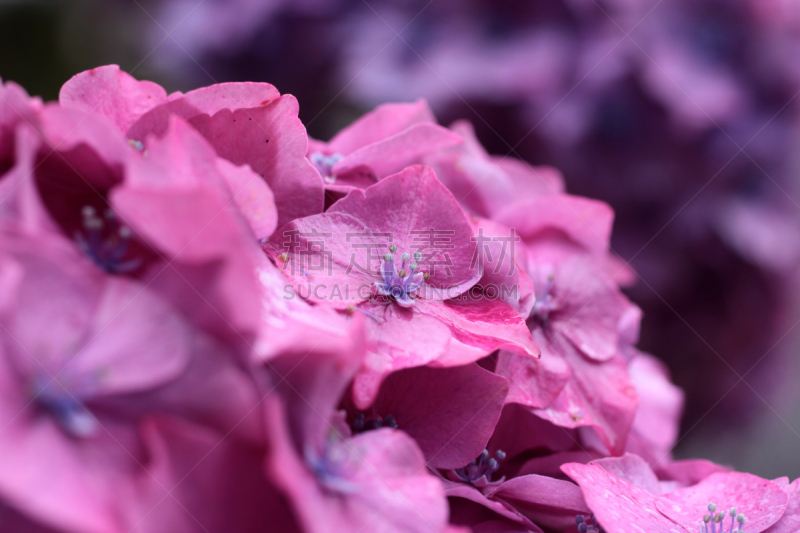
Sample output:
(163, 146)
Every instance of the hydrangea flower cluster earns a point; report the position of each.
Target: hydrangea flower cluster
(684, 113)
(209, 322)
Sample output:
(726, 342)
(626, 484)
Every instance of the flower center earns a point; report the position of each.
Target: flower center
(545, 304)
(400, 285)
(136, 145)
(70, 413)
(588, 525)
(715, 522)
(479, 471)
(362, 423)
(105, 241)
(324, 164)
(329, 467)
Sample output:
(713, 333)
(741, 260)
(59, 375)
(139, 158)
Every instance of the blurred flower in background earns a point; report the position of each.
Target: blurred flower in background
(681, 114)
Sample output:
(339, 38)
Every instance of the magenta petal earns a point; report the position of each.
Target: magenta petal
(520, 431)
(761, 501)
(250, 123)
(486, 324)
(112, 93)
(585, 222)
(546, 501)
(393, 154)
(450, 412)
(385, 486)
(633, 469)
(384, 121)
(592, 308)
(179, 204)
(395, 349)
(689, 471)
(316, 254)
(598, 395)
(550, 465)
(273, 141)
(617, 504)
(252, 196)
(137, 340)
(534, 383)
(415, 201)
(503, 260)
(88, 138)
(655, 428)
(203, 101)
(500, 526)
(289, 323)
(198, 480)
(468, 492)
(313, 382)
(790, 521)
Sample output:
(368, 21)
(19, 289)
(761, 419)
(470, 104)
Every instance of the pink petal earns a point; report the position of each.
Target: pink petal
(384, 121)
(689, 471)
(137, 340)
(392, 154)
(252, 196)
(585, 222)
(534, 383)
(790, 521)
(546, 501)
(415, 201)
(497, 507)
(313, 382)
(250, 123)
(112, 93)
(655, 427)
(287, 321)
(633, 469)
(617, 504)
(598, 395)
(761, 501)
(391, 489)
(198, 480)
(483, 323)
(179, 204)
(451, 412)
(591, 308)
(322, 259)
(405, 338)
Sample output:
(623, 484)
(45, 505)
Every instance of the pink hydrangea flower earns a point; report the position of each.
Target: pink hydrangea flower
(247, 123)
(487, 185)
(379, 144)
(624, 491)
(336, 481)
(378, 252)
(71, 449)
(450, 412)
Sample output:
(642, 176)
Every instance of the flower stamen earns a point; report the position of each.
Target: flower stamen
(105, 241)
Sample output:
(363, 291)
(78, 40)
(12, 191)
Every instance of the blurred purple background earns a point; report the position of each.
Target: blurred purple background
(682, 114)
